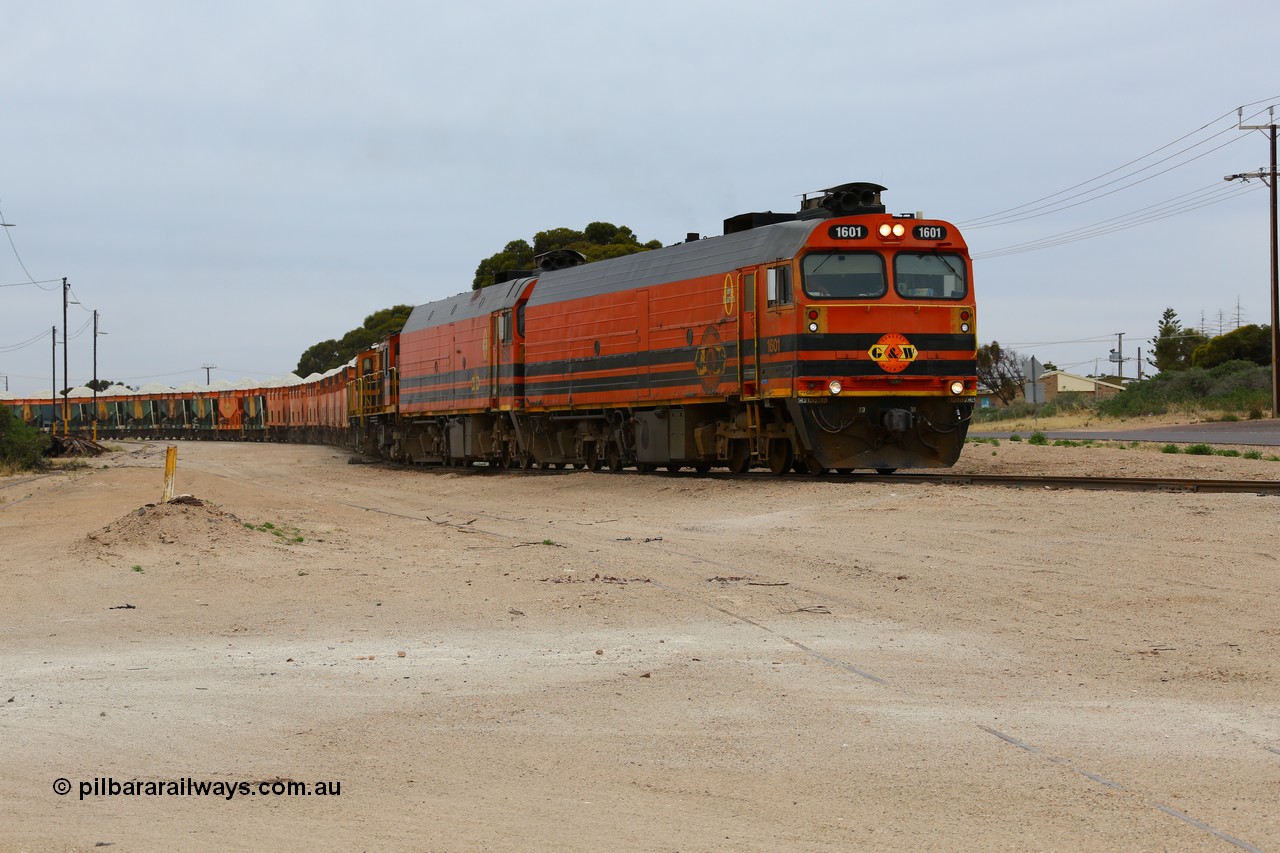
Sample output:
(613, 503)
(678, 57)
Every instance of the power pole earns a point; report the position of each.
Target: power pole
(1269, 178)
(206, 368)
(95, 374)
(53, 386)
(1117, 355)
(66, 382)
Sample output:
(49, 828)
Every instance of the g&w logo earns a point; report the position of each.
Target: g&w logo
(893, 353)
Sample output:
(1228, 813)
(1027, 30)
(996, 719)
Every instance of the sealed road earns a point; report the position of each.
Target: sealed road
(1260, 432)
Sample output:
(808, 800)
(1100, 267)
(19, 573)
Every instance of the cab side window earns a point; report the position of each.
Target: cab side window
(778, 285)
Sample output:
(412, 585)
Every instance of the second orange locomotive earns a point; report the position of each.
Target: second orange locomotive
(840, 337)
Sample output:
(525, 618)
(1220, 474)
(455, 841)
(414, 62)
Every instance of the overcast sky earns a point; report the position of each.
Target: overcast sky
(229, 183)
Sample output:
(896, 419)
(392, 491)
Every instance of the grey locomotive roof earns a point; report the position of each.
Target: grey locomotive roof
(712, 256)
(464, 306)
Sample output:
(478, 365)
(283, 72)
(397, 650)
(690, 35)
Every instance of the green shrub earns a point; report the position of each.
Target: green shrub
(1199, 450)
(1171, 448)
(1236, 386)
(1065, 403)
(1038, 438)
(21, 446)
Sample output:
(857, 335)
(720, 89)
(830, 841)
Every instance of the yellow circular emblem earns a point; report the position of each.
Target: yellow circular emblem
(893, 353)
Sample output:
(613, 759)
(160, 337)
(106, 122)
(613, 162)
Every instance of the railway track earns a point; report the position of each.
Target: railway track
(1022, 481)
(1121, 484)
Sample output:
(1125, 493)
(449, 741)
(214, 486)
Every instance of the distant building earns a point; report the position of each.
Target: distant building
(1057, 382)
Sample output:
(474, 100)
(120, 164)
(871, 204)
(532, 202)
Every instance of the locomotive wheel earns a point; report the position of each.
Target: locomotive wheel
(780, 457)
(885, 470)
(526, 461)
(702, 466)
(613, 459)
(593, 457)
(739, 456)
(646, 467)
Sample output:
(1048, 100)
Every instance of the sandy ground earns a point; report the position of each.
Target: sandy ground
(621, 662)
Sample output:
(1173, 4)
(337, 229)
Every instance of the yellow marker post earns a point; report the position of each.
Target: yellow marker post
(170, 469)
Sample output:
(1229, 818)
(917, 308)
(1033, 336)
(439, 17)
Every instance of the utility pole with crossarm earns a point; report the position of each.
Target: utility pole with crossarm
(1268, 177)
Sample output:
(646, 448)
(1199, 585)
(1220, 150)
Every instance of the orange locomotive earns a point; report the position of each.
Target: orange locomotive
(840, 337)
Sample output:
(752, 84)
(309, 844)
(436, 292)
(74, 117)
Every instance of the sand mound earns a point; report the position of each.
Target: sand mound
(186, 521)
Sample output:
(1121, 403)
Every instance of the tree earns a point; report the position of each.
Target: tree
(1173, 345)
(597, 242)
(327, 355)
(1247, 343)
(1000, 370)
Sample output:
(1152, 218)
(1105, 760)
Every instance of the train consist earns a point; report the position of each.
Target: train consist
(839, 337)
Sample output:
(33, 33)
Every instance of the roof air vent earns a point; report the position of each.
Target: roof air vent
(559, 259)
(851, 199)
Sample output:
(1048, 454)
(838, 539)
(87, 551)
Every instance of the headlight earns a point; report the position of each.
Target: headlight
(813, 327)
(834, 386)
(957, 387)
(964, 327)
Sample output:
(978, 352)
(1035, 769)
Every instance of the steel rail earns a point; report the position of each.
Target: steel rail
(1130, 484)
(948, 478)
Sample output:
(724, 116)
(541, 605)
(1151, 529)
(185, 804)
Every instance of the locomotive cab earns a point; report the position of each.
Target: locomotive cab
(886, 346)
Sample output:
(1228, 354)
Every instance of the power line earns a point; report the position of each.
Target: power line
(80, 331)
(1100, 339)
(983, 221)
(78, 300)
(14, 247)
(1205, 197)
(53, 282)
(41, 336)
(1094, 195)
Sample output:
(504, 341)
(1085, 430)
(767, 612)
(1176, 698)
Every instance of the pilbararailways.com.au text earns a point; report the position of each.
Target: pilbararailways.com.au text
(188, 787)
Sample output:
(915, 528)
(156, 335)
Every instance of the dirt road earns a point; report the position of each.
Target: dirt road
(598, 662)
